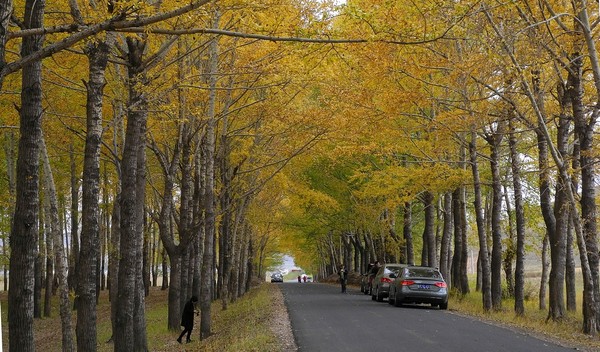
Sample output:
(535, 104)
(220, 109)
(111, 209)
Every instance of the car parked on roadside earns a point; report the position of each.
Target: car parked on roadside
(380, 284)
(276, 277)
(419, 284)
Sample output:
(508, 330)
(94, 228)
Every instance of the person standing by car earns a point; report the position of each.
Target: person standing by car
(372, 273)
(187, 319)
(343, 277)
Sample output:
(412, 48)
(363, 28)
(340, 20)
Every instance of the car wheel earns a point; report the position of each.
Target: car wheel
(443, 306)
(397, 302)
(379, 297)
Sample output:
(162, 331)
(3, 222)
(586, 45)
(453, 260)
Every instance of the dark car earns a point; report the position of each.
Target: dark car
(366, 278)
(276, 277)
(419, 284)
(380, 284)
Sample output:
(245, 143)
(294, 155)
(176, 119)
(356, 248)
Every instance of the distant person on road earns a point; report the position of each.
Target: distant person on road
(299, 278)
(343, 277)
(304, 278)
(187, 319)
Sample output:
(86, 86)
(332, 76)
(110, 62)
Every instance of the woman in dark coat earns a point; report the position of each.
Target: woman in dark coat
(187, 319)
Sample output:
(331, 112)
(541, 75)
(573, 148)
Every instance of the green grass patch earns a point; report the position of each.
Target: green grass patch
(568, 331)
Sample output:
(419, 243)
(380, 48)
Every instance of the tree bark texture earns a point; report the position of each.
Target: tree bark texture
(486, 288)
(68, 344)
(209, 206)
(74, 221)
(520, 223)
(496, 265)
(139, 315)
(558, 242)
(97, 54)
(584, 130)
(457, 255)
(407, 233)
(446, 237)
(24, 231)
(124, 338)
(428, 202)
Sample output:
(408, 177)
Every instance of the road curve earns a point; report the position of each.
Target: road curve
(323, 319)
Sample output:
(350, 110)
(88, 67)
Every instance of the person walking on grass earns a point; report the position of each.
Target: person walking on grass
(187, 319)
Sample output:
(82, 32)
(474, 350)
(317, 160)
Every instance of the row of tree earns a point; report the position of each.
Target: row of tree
(176, 128)
(481, 136)
(219, 126)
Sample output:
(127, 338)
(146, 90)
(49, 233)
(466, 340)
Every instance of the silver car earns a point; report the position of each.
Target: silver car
(382, 280)
(419, 284)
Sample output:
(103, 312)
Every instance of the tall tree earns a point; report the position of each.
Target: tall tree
(486, 288)
(124, 338)
(68, 344)
(520, 221)
(24, 232)
(97, 54)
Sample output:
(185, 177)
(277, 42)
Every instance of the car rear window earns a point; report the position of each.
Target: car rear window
(423, 272)
(392, 269)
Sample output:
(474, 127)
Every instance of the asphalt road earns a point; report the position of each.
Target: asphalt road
(323, 319)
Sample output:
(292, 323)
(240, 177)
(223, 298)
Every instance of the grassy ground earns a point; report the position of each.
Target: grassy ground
(566, 332)
(244, 326)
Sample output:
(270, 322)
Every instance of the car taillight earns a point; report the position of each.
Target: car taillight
(441, 284)
(407, 282)
(386, 280)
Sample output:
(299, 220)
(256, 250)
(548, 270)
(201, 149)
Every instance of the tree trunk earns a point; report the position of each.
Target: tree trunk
(429, 231)
(113, 261)
(495, 141)
(209, 206)
(407, 233)
(457, 255)
(73, 262)
(558, 242)
(39, 265)
(486, 288)
(124, 334)
(49, 280)
(10, 152)
(544, 186)
(139, 316)
(570, 267)
(446, 237)
(545, 272)
(509, 252)
(24, 232)
(520, 223)
(68, 344)
(97, 54)
(6, 10)
(584, 129)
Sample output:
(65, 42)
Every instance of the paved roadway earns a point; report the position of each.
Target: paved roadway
(323, 319)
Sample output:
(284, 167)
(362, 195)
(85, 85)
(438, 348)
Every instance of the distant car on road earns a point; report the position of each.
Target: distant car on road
(419, 284)
(381, 282)
(276, 277)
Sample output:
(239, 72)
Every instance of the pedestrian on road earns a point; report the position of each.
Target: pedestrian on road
(187, 319)
(343, 277)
